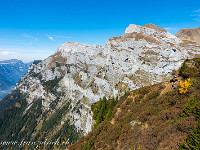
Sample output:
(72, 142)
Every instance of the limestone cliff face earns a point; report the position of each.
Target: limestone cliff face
(191, 35)
(80, 74)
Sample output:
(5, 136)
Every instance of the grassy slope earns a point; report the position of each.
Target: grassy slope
(154, 117)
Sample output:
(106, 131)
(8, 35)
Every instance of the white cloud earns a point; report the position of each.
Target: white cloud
(8, 49)
(197, 19)
(22, 50)
(24, 55)
(66, 37)
(196, 14)
(197, 10)
(170, 29)
(50, 37)
(7, 53)
(12, 40)
(26, 35)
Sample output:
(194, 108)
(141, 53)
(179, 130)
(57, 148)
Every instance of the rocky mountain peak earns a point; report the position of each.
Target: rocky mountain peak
(191, 35)
(76, 47)
(133, 28)
(146, 28)
(156, 27)
(151, 32)
(75, 52)
(72, 47)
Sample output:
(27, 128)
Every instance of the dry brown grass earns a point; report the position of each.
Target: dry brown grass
(150, 39)
(78, 81)
(145, 59)
(155, 27)
(137, 36)
(187, 42)
(150, 52)
(154, 130)
(171, 44)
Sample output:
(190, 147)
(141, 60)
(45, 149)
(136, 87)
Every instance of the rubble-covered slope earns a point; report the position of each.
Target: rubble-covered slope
(77, 75)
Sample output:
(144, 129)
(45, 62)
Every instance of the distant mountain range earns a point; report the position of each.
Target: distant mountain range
(10, 72)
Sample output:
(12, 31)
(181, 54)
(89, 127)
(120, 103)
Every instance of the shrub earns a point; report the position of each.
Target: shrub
(105, 128)
(88, 145)
(193, 140)
(153, 95)
(144, 90)
(184, 86)
(186, 71)
(128, 101)
(194, 82)
(138, 98)
(188, 107)
(182, 70)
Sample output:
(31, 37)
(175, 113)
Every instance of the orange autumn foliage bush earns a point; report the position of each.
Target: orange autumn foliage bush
(184, 86)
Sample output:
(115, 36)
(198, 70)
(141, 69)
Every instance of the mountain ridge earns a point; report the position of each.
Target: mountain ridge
(63, 87)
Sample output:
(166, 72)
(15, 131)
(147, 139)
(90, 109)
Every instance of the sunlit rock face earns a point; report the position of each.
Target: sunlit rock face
(189, 35)
(82, 74)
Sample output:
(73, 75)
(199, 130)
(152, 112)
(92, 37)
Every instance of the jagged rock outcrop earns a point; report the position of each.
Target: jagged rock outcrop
(191, 35)
(78, 75)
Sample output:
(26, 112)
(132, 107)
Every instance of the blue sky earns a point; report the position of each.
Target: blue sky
(33, 29)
